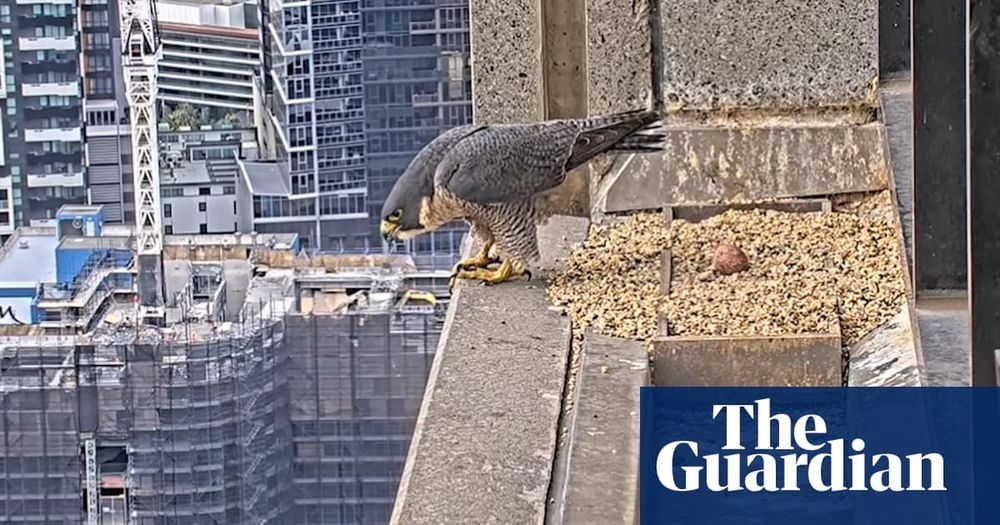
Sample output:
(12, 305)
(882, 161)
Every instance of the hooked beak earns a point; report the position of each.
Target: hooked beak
(388, 230)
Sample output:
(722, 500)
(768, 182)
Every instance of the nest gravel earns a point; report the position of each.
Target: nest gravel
(807, 271)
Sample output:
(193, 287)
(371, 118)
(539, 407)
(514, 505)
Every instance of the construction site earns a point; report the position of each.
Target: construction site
(281, 389)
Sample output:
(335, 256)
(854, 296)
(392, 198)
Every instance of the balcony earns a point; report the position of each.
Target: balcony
(424, 100)
(62, 89)
(52, 135)
(31, 2)
(47, 43)
(50, 180)
(423, 28)
(44, 67)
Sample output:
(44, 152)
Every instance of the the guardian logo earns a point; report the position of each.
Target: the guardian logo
(823, 467)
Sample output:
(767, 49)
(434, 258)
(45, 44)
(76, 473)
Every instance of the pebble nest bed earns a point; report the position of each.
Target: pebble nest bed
(807, 271)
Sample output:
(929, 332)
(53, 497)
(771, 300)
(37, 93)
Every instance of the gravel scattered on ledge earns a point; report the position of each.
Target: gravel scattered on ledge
(807, 270)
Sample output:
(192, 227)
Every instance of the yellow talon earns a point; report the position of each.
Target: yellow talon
(504, 273)
(480, 260)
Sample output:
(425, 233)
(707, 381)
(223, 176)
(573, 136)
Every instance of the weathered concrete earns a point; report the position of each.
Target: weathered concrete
(485, 438)
(944, 334)
(888, 356)
(565, 58)
(619, 56)
(942, 319)
(794, 360)
(484, 443)
(897, 109)
(714, 164)
(507, 79)
(601, 483)
(768, 53)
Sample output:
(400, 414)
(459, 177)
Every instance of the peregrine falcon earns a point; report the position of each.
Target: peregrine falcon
(493, 177)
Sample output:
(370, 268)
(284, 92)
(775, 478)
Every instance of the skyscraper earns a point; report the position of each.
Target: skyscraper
(43, 164)
(354, 90)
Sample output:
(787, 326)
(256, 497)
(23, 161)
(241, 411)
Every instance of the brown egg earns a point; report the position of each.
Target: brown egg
(729, 260)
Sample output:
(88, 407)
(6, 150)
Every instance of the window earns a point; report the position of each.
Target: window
(168, 210)
(202, 206)
(168, 230)
(205, 190)
(229, 190)
(202, 228)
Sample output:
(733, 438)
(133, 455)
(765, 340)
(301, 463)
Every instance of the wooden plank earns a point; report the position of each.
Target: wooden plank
(700, 212)
(790, 360)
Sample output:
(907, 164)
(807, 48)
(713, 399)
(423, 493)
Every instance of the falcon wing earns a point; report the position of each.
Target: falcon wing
(515, 162)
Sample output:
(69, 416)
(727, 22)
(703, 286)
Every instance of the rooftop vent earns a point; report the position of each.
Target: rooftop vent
(22, 244)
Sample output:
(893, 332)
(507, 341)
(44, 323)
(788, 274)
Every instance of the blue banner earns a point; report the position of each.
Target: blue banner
(816, 456)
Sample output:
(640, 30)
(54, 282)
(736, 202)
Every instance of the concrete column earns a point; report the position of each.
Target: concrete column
(939, 144)
(544, 59)
(894, 38)
(984, 186)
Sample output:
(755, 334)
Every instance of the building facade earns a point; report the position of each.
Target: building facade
(353, 89)
(43, 109)
(211, 52)
(198, 180)
(62, 111)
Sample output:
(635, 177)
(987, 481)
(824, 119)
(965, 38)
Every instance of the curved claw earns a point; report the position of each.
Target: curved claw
(527, 275)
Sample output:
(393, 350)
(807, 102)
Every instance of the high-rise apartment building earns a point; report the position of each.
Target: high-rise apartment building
(211, 52)
(107, 145)
(43, 108)
(418, 83)
(353, 89)
(62, 128)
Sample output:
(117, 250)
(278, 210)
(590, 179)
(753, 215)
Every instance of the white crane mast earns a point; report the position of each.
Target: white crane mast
(141, 53)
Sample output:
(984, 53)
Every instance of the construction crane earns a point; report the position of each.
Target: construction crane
(141, 52)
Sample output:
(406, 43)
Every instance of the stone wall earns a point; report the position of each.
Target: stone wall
(746, 87)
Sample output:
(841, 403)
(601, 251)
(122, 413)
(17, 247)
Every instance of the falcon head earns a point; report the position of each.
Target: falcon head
(401, 211)
(413, 193)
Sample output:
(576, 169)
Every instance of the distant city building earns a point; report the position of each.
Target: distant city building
(278, 392)
(43, 161)
(353, 90)
(198, 180)
(211, 52)
(107, 145)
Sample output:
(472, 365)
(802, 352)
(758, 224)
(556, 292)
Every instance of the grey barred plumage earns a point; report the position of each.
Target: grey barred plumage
(493, 176)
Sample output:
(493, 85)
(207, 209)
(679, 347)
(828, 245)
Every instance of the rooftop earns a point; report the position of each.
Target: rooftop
(28, 259)
(265, 178)
(103, 242)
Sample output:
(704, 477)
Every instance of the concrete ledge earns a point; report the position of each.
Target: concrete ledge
(731, 164)
(484, 442)
(601, 482)
(887, 356)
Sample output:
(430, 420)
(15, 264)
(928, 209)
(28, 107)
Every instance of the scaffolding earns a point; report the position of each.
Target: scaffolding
(286, 418)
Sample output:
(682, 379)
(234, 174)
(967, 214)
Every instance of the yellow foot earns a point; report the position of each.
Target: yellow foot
(473, 263)
(505, 272)
(481, 260)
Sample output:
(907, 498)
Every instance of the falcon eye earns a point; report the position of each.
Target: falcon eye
(396, 215)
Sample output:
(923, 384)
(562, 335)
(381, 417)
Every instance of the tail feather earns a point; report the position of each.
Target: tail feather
(617, 132)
